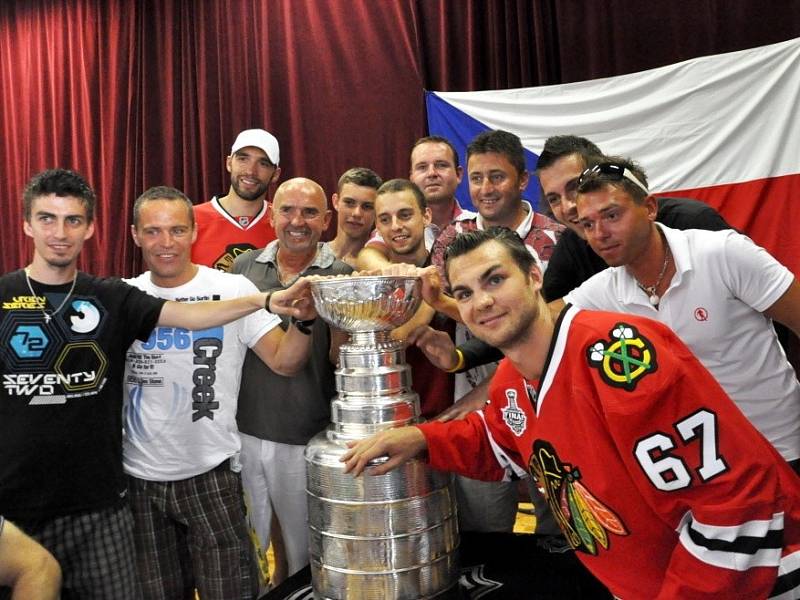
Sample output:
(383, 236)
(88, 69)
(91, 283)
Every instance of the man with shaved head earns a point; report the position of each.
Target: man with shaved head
(278, 415)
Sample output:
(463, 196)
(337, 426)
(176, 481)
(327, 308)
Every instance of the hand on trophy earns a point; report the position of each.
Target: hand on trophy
(433, 292)
(391, 270)
(295, 301)
(399, 445)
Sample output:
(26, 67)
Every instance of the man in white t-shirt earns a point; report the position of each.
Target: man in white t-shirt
(716, 289)
(181, 445)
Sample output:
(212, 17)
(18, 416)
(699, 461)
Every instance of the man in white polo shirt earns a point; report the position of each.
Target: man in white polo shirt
(716, 289)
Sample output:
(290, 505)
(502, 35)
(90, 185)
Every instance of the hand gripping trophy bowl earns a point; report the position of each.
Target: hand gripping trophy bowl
(383, 537)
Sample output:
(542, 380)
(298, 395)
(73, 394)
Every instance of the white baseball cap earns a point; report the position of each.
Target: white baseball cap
(258, 138)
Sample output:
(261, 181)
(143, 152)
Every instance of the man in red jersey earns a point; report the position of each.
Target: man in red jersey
(238, 221)
(658, 481)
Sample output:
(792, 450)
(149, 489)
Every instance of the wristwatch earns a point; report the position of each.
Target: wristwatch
(303, 326)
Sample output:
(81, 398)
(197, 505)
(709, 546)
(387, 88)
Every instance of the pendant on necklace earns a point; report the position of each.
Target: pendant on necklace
(47, 318)
(654, 299)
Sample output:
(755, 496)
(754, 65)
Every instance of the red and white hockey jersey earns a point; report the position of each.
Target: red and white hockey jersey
(658, 481)
(222, 237)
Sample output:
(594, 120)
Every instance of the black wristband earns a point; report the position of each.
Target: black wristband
(267, 298)
(303, 326)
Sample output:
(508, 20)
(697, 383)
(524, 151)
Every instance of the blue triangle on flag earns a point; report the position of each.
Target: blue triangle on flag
(458, 127)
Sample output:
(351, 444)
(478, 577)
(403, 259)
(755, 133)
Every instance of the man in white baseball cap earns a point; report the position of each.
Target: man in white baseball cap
(257, 138)
(229, 225)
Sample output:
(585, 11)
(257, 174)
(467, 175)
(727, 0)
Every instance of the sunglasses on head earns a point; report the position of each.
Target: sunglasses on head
(613, 172)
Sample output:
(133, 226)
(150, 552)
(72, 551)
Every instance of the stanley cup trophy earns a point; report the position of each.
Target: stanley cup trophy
(384, 537)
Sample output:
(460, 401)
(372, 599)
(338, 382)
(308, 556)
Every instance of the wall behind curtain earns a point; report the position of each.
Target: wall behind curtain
(135, 94)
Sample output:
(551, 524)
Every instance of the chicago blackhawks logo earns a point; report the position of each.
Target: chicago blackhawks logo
(625, 359)
(585, 521)
(225, 261)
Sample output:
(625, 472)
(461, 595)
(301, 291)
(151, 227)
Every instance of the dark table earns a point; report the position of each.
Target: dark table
(497, 566)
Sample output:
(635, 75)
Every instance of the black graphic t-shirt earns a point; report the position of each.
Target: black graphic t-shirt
(61, 395)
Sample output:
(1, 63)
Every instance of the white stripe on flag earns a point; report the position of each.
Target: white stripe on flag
(720, 119)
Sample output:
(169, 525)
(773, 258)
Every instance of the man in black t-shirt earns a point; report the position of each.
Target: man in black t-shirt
(63, 338)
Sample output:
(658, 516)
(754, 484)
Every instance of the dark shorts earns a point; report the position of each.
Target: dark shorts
(95, 551)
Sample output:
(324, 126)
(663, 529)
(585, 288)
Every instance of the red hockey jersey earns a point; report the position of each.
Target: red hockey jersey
(660, 484)
(222, 237)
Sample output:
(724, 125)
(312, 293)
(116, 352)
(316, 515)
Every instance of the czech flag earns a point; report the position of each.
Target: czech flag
(724, 129)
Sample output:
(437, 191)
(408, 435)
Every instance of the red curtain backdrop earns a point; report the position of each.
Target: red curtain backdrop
(135, 94)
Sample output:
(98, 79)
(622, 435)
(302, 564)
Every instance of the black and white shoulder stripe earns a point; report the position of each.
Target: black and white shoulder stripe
(757, 543)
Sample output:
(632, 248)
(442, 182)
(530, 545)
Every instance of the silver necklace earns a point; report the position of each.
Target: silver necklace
(48, 316)
(650, 290)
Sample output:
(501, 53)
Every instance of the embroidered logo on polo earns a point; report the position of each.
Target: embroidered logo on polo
(513, 416)
(625, 359)
(585, 521)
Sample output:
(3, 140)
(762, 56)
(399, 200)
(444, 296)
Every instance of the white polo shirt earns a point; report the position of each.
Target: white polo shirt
(714, 303)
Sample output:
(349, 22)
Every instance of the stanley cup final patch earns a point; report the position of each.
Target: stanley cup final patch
(513, 415)
(624, 359)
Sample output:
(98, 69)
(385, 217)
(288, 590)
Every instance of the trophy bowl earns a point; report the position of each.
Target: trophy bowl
(367, 304)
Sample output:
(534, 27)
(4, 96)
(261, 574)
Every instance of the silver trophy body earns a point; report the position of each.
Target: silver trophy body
(384, 537)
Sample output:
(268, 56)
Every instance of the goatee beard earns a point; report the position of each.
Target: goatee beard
(251, 196)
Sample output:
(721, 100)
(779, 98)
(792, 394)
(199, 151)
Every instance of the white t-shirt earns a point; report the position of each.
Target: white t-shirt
(182, 386)
(714, 303)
